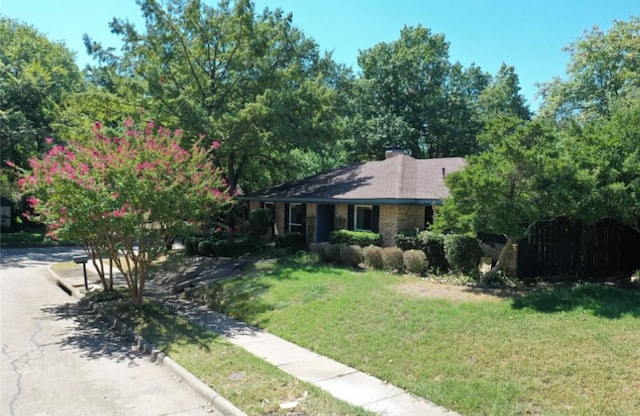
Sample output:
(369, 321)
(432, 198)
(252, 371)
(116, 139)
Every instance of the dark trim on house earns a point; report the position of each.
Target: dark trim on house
(385, 201)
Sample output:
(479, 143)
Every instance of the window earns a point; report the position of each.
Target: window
(296, 218)
(363, 218)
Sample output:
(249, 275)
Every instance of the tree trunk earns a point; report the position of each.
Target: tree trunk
(488, 276)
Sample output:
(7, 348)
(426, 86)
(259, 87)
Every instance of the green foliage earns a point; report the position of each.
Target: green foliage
(191, 245)
(359, 238)
(432, 244)
(351, 255)
(260, 222)
(235, 246)
(463, 252)
(291, 241)
(35, 76)
(205, 248)
(406, 241)
(415, 261)
(392, 259)
(603, 69)
(252, 81)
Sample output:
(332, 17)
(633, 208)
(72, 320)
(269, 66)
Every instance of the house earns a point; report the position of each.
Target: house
(386, 196)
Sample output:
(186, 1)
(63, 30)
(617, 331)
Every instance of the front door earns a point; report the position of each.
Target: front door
(325, 222)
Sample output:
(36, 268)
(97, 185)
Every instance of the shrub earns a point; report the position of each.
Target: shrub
(406, 241)
(463, 252)
(414, 261)
(358, 238)
(333, 252)
(321, 249)
(191, 245)
(235, 246)
(433, 246)
(373, 257)
(392, 259)
(351, 255)
(259, 222)
(205, 248)
(291, 241)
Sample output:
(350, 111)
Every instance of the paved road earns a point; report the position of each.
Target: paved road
(56, 360)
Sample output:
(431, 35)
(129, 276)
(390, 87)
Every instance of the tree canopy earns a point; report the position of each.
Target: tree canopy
(252, 81)
(35, 76)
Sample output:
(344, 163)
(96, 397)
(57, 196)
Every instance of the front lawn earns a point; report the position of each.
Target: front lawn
(551, 351)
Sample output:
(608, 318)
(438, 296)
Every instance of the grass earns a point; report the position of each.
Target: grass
(559, 350)
(247, 381)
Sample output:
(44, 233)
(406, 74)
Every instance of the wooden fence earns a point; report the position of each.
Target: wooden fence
(565, 249)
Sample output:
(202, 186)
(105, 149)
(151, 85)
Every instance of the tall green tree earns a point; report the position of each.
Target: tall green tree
(603, 68)
(410, 95)
(35, 76)
(502, 96)
(505, 190)
(252, 81)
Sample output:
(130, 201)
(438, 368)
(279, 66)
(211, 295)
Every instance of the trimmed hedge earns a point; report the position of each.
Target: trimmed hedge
(259, 222)
(333, 252)
(321, 249)
(463, 252)
(392, 259)
(414, 261)
(351, 255)
(373, 257)
(358, 238)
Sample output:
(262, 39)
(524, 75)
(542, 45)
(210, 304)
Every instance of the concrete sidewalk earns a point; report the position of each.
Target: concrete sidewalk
(341, 381)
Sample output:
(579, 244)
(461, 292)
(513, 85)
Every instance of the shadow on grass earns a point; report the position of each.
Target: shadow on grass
(603, 300)
(163, 328)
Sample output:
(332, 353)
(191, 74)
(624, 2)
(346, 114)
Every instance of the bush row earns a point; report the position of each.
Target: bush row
(238, 244)
(457, 252)
(391, 258)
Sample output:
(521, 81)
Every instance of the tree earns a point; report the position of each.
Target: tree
(604, 67)
(410, 95)
(124, 196)
(505, 190)
(252, 81)
(502, 96)
(35, 76)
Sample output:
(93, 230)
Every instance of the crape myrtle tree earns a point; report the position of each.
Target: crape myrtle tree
(250, 80)
(125, 196)
(508, 188)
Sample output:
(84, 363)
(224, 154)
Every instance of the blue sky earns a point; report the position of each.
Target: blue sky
(527, 34)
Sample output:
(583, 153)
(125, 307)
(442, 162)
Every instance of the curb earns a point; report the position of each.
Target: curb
(213, 398)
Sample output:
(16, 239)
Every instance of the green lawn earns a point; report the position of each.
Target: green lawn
(553, 351)
(250, 383)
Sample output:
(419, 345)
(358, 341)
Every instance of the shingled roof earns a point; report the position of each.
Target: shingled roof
(398, 179)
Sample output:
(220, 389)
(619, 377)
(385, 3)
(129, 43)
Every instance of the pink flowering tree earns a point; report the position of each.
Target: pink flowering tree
(125, 197)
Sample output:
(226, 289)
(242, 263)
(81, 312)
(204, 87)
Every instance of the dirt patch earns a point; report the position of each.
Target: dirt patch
(433, 290)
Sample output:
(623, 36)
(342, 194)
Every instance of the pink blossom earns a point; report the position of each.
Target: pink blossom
(10, 163)
(97, 125)
(33, 201)
(128, 122)
(215, 144)
(49, 140)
